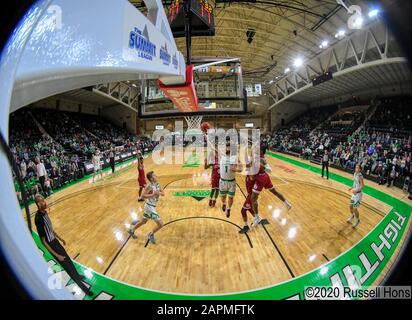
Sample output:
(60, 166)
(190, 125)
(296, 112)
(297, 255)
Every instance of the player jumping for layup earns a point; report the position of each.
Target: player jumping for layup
(356, 198)
(262, 181)
(229, 165)
(151, 193)
(141, 179)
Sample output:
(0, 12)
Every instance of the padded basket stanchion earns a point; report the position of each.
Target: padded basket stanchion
(183, 96)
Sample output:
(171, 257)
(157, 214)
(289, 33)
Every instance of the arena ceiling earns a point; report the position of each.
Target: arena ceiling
(376, 77)
(283, 30)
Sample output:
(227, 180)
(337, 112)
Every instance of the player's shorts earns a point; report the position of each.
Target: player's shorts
(142, 182)
(227, 187)
(215, 181)
(97, 168)
(262, 181)
(356, 200)
(150, 213)
(247, 205)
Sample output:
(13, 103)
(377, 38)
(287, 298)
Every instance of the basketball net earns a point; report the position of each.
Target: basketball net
(193, 122)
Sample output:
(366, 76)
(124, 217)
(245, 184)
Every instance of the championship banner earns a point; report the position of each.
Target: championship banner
(184, 95)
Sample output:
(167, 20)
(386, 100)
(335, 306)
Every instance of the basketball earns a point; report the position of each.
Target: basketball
(205, 126)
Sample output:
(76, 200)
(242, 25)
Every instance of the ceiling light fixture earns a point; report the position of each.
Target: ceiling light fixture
(358, 22)
(373, 13)
(340, 34)
(324, 44)
(298, 62)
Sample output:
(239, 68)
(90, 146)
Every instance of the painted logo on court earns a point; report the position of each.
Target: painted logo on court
(198, 195)
(286, 169)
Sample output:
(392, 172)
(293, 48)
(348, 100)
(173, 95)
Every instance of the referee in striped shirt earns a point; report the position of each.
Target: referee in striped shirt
(50, 240)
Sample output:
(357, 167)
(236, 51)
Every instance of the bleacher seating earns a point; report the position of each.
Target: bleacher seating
(101, 128)
(295, 137)
(393, 116)
(382, 146)
(69, 140)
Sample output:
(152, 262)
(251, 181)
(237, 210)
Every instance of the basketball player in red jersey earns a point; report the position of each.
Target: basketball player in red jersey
(141, 179)
(262, 181)
(215, 177)
(248, 205)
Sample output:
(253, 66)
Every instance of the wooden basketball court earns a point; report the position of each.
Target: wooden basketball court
(199, 250)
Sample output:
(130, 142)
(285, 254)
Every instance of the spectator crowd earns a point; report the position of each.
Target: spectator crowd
(381, 144)
(51, 147)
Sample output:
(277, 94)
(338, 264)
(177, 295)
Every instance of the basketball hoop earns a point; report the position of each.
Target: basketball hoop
(193, 122)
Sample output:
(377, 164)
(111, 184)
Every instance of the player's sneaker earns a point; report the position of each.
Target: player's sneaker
(151, 238)
(224, 207)
(140, 199)
(134, 222)
(256, 221)
(131, 233)
(288, 205)
(350, 219)
(355, 223)
(228, 213)
(210, 203)
(213, 203)
(245, 229)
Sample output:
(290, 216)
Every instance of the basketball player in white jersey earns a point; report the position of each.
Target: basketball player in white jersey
(151, 194)
(96, 164)
(356, 197)
(228, 166)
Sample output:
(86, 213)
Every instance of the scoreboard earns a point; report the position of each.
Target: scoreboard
(204, 10)
(202, 18)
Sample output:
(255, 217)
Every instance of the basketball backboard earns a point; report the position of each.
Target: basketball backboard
(219, 88)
